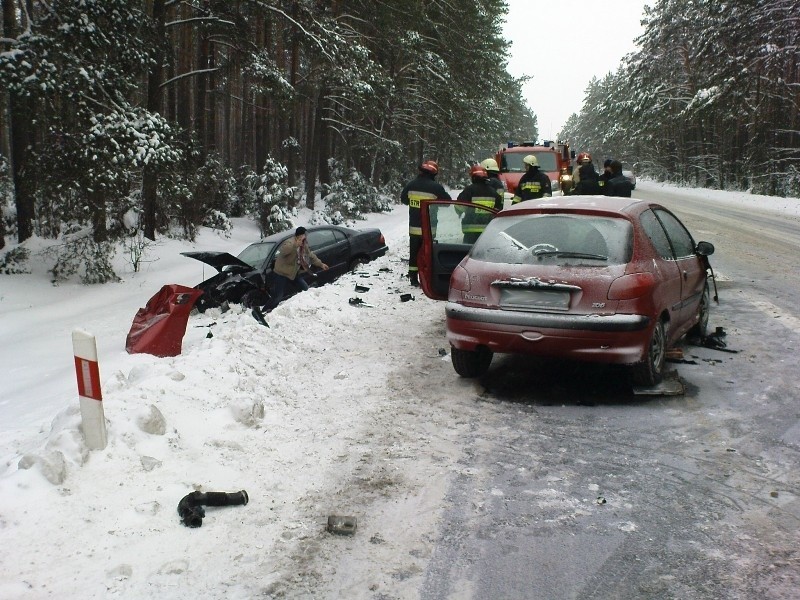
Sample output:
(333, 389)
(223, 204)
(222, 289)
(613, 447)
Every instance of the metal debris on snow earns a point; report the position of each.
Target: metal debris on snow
(358, 302)
(341, 525)
(668, 387)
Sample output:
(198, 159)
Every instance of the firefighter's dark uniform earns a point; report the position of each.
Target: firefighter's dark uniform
(473, 222)
(495, 181)
(533, 184)
(604, 178)
(618, 184)
(589, 183)
(423, 187)
(602, 181)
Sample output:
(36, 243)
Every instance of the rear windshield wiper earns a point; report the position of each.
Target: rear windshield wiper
(571, 254)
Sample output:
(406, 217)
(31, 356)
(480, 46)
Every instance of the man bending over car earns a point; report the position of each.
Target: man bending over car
(294, 255)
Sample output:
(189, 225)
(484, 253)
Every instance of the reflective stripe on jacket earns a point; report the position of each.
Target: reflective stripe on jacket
(423, 187)
(533, 184)
(480, 193)
(498, 185)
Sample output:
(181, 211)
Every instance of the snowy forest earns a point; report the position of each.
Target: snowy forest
(126, 117)
(125, 120)
(711, 98)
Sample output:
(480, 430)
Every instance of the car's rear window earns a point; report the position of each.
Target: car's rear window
(557, 239)
(255, 254)
(511, 162)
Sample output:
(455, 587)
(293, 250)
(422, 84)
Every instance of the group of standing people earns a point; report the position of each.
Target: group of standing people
(611, 182)
(484, 190)
(487, 190)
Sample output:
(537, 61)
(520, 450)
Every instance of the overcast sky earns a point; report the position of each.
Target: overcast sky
(563, 45)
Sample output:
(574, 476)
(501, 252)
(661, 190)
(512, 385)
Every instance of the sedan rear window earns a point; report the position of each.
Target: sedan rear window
(556, 239)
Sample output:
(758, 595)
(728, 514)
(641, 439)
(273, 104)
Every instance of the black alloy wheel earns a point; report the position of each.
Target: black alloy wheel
(650, 371)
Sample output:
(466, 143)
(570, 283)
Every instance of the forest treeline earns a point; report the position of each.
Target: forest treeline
(711, 98)
(157, 115)
(129, 119)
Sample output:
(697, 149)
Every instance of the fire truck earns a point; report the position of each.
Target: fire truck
(555, 159)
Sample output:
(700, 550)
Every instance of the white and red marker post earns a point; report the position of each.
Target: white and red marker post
(86, 368)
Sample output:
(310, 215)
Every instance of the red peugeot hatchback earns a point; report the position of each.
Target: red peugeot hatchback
(600, 279)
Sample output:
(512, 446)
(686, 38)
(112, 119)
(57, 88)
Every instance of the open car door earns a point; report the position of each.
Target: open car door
(446, 224)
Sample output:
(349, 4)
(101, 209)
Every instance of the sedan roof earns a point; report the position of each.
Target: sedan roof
(220, 260)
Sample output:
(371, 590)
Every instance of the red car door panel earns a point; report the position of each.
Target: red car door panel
(443, 246)
(690, 266)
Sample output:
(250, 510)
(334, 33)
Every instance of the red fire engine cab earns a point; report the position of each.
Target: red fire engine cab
(554, 159)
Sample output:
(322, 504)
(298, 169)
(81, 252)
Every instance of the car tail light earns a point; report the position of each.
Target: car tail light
(459, 280)
(631, 286)
(382, 240)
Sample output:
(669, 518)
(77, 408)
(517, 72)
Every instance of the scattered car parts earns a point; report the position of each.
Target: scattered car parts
(191, 510)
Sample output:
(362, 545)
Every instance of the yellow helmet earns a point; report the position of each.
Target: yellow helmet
(490, 164)
(531, 161)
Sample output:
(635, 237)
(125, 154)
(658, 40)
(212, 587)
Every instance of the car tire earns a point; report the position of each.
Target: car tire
(700, 329)
(471, 363)
(356, 263)
(650, 371)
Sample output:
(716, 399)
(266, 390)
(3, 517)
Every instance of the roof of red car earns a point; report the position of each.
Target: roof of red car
(594, 204)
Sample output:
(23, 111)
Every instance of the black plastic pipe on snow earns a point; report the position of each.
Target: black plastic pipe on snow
(191, 510)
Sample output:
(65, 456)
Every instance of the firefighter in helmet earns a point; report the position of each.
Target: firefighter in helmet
(423, 187)
(494, 180)
(534, 183)
(588, 180)
(580, 160)
(481, 194)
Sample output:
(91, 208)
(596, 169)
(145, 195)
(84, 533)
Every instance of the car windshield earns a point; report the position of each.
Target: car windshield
(255, 254)
(556, 239)
(511, 162)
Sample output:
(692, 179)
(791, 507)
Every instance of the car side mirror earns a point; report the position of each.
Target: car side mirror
(704, 248)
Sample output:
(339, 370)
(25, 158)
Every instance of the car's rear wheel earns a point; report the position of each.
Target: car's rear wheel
(471, 363)
(651, 369)
(700, 329)
(356, 263)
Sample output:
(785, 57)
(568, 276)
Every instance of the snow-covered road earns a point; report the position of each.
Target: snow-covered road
(460, 489)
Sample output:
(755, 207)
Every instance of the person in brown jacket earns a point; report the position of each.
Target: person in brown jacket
(294, 255)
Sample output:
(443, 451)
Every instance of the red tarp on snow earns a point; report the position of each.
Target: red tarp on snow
(158, 328)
